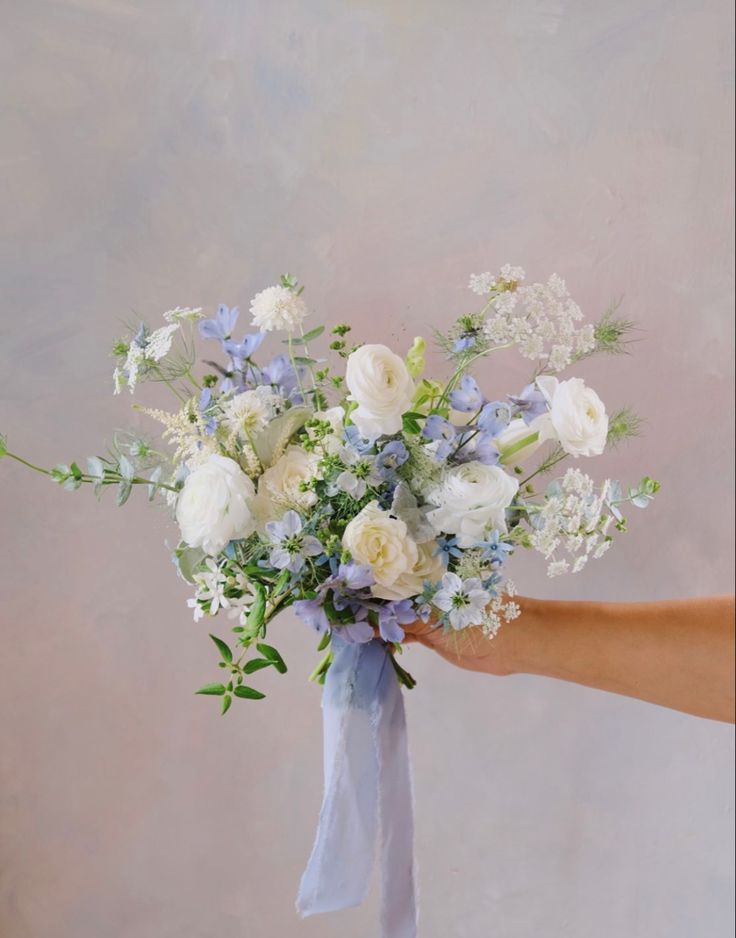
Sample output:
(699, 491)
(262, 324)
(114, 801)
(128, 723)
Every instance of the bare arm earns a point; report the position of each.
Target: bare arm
(678, 653)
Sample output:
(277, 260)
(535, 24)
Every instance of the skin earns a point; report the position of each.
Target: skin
(678, 653)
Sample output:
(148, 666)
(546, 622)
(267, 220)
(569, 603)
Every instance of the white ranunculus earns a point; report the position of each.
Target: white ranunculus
(380, 384)
(517, 431)
(377, 540)
(277, 308)
(214, 507)
(577, 414)
(471, 501)
(429, 568)
(279, 488)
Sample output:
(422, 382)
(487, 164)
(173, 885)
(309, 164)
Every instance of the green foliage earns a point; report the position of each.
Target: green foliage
(623, 425)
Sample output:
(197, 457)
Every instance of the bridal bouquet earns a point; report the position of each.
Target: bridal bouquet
(351, 486)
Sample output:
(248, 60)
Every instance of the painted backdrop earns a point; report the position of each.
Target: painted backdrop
(181, 152)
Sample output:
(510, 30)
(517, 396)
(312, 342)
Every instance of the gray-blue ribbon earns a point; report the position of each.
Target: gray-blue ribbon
(367, 791)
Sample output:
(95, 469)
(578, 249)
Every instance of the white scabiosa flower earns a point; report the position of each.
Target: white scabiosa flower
(214, 506)
(247, 413)
(277, 308)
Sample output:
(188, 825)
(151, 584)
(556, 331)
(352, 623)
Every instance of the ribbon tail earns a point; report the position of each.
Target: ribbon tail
(367, 782)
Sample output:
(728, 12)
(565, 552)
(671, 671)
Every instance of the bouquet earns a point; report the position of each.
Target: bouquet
(349, 485)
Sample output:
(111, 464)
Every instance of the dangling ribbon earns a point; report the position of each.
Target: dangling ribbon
(367, 789)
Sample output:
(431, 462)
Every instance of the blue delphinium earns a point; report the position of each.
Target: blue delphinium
(495, 417)
(467, 397)
(291, 546)
(205, 399)
(392, 616)
(437, 428)
(222, 325)
(531, 403)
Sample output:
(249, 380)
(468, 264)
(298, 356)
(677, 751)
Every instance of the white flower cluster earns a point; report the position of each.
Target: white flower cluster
(573, 518)
(542, 320)
(500, 609)
(218, 586)
(507, 278)
(140, 354)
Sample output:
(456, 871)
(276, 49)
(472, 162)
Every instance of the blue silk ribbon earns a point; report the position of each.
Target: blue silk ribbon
(367, 792)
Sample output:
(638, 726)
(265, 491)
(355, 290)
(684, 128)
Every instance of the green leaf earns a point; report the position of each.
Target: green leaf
(257, 611)
(303, 360)
(226, 702)
(224, 649)
(256, 664)
(410, 424)
(525, 441)
(213, 690)
(269, 652)
(76, 471)
(324, 641)
(248, 693)
(307, 337)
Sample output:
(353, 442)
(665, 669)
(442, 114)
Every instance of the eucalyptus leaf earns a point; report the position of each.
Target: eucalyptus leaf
(270, 443)
(405, 507)
(307, 337)
(187, 560)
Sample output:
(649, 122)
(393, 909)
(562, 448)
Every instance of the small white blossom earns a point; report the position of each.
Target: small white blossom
(159, 342)
(482, 283)
(184, 314)
(277, 308)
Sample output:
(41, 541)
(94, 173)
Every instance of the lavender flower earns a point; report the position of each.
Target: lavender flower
(292, 546)
(468, 397)
(281, 374)
(462, 602)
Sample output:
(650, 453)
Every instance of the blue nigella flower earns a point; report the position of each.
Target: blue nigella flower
(222, 325)
(465, 342)
(495, 417)
(292, 546)
(468, 397)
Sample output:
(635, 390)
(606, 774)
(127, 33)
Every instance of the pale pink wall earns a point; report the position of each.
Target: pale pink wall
(182, 152)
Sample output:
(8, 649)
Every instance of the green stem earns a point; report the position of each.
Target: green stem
(30, 465)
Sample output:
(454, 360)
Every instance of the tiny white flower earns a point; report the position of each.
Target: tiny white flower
(184, 314)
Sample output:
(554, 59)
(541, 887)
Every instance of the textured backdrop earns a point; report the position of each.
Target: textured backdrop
(180, 152)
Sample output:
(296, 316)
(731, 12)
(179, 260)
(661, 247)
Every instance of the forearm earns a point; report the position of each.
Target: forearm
(678, 654)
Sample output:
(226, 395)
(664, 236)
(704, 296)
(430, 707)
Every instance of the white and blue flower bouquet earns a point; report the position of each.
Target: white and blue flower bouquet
(350, 486)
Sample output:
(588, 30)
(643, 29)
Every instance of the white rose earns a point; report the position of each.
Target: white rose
(517, 431)
(377, 540)
(279, 488)
(380, 383)
(577, 414)
(472, 500)
(429, 568)
(277, 308)
(214, 506)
